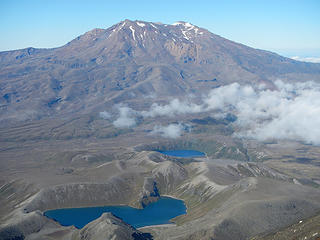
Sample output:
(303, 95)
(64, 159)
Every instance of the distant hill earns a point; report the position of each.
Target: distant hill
(127, 63)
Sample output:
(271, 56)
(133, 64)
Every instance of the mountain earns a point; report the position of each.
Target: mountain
(126, 63)
(261, 145)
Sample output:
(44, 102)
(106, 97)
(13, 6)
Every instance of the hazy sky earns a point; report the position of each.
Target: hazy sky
(289, 27)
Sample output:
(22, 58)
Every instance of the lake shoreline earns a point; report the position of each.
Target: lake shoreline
(158, 225)
(184, 153)
(166, 208)
(170, 196)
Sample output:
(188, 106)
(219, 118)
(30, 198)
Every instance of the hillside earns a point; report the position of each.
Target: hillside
(128, 62)
(82, 125)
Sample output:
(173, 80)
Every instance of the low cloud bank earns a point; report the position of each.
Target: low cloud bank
(105, 115)
(290, 111)
(170, 131)
(174, 108)
(126, 117)
(307, 59)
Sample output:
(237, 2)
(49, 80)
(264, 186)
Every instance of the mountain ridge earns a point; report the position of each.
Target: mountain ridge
(82, 124)
(128, 61)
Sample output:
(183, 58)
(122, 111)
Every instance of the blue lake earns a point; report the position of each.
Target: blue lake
(183, 153)
(159, 212)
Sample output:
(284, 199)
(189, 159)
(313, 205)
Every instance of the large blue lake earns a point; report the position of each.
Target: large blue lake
(183, 153)
(159, 212)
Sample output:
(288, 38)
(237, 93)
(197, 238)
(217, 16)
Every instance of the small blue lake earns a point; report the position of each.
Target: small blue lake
(159, 212)
(183, 153)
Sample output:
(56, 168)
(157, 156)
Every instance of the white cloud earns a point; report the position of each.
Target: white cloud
(307, 59)
(126, 118)
(290, 111)
(175, 107)
(170, 131)
(105, 115)
(226, 97)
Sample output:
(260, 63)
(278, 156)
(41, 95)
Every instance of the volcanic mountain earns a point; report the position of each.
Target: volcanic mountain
(104, 105)
(129, 61)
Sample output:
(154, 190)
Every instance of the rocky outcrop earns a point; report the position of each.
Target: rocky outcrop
(110, 227)
(150, 192)
(36, 226)
(23, 225)
(83, 194)
(169, 175)
(11, 233)
(226, 199)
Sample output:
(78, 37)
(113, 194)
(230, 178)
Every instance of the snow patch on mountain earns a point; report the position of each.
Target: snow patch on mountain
(140, 24)
(132, 29)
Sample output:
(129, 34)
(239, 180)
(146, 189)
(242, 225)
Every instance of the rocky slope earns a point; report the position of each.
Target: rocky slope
(110, 227)
(225, 200)
(69, 156)
(129, 61)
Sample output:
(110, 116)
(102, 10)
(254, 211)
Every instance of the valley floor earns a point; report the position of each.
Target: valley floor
(239, 190)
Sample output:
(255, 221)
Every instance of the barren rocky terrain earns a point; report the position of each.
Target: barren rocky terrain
(66, 142)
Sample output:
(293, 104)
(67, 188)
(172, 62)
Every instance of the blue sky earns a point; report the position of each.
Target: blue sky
(289, 27)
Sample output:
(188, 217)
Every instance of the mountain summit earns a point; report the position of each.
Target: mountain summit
(129, 61)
